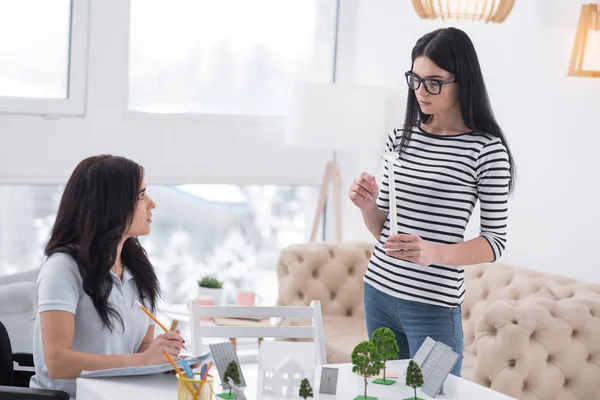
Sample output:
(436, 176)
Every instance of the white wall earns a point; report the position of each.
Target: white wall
(174, 149)
(550, 119)
(551, 122)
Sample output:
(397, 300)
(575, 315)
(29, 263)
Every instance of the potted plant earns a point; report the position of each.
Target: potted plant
(385, 340)
(366, 361)
(231, 372)
(414, 378)
(305, 389)
(210, 286)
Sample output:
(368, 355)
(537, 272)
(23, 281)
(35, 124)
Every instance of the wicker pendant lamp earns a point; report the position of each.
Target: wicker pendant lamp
(585, 59)
(474, 10)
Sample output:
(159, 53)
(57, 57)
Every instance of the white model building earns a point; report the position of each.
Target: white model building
(282, 366)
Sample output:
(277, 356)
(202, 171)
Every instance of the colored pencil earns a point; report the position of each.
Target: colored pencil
(180, 375)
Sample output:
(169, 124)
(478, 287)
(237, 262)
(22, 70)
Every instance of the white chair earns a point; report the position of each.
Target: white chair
(315, 331)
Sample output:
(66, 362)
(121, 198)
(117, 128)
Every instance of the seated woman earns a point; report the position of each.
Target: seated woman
(95, 272)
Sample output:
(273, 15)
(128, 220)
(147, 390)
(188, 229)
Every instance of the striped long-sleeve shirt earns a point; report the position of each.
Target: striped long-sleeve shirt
(438, 181)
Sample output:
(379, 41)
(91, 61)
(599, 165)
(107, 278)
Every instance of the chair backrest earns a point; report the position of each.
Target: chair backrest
(200, 328)
(7, 377)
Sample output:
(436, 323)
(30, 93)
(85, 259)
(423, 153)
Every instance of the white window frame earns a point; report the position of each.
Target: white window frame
(74, 104)
(173, 148)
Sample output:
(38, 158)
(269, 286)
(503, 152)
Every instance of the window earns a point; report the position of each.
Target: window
(226, 56)
(297, 376)
(234, 232)
(284, 376)
(42, 56)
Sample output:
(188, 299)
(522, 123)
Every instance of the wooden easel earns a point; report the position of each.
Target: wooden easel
(331, 175)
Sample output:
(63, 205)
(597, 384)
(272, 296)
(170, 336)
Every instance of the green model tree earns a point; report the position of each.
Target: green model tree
(388, 348)
(414, 378)
(366, 361)
(232, 371)
(305, 389)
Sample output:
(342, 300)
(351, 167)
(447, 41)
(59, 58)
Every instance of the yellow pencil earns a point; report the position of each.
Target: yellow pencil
(144, 309)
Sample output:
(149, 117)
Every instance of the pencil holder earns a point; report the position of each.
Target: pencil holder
(195, 389)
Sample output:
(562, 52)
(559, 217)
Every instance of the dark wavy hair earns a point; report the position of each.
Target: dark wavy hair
(95, 211)
(452, 50)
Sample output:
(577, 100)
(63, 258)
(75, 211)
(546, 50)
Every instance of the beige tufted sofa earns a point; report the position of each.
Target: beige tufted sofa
(331, 273)
(540, 349)
(527, 334)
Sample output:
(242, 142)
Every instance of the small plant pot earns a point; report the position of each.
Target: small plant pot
(216, 294)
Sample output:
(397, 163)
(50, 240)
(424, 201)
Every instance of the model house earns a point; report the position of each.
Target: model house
(282, 366)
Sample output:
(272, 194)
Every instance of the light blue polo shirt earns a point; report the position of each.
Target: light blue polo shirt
(59, 286)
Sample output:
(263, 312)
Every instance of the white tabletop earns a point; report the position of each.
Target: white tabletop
(163, 387)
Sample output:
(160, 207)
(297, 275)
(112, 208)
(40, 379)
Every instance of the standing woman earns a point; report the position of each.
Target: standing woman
(449, 153)
(95, 272)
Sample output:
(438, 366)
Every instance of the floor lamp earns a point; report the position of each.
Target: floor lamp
(338, 117)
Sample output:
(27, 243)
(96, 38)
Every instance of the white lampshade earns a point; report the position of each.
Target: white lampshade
(343, 117)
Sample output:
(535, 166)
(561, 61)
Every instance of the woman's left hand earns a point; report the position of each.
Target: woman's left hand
(412, 248)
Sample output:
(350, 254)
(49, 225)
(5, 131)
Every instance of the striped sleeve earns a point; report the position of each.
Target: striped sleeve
(383, 200)
(493, 178)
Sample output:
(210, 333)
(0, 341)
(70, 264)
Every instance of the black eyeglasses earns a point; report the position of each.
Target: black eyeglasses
(433, 86)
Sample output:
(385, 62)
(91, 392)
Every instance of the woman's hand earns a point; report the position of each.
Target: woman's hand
(169, 342)
(412, 248)
(364, 191)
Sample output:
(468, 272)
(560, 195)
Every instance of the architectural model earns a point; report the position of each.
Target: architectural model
(237, 391)
(282, 366)
(435, 360)
(223, 354)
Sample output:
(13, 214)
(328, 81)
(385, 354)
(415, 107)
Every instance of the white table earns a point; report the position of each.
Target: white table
(164, 387)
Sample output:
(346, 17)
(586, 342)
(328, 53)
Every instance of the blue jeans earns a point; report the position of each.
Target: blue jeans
(413, 321)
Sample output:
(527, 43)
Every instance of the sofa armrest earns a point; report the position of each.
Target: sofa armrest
(17, 393)
(25, 276)
(540, 349)
(18, 297)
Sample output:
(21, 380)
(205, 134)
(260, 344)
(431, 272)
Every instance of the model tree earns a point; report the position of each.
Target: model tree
(305, 389)
(414, 378)
(388, 348)
(366, 361)
(231, 372)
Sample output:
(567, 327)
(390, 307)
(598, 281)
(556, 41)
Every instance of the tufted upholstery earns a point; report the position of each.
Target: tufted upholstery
(541, 349)
(332, 273)
(488, 283)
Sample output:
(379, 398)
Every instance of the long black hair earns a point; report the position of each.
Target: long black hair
(452, 50)
(95, 211)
